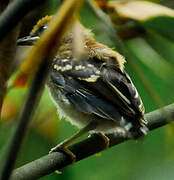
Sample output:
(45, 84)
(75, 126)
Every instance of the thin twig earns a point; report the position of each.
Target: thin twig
(15, 13)
(25, 119)
(57, 160)
(107, 25)
(7, 53)
(168, 3)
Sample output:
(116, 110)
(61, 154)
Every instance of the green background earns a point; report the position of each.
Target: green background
(149, 159)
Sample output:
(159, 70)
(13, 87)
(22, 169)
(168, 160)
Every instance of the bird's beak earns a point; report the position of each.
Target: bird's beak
(27, 41)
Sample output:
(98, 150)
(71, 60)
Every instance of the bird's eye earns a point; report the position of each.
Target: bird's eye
(40, 30)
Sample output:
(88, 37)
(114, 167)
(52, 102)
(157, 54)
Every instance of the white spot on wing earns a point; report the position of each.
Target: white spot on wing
(97, 72)
(92, 78)
(141, 107)
(90, 65)
(65, 60)
(62, 68)
(79, 67)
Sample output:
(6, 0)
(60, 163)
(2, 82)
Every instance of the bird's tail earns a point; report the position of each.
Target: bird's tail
(137, 129)
(139, 133)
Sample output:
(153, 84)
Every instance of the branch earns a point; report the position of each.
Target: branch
(94, 144)
(7, 53)
(107, 25)
(15, 13)
(25, 119)
(168, 3)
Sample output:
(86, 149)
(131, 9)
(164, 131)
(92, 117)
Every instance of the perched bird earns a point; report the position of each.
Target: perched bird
(94, 92)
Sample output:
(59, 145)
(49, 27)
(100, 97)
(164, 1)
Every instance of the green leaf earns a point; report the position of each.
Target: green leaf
(150, 58)
(161, 24)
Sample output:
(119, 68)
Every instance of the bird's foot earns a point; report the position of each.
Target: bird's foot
(104, 137)
(62, 148)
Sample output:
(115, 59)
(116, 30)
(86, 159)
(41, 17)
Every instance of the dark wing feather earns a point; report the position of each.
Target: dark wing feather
(84, 100)
(108, 84)
(121, 84)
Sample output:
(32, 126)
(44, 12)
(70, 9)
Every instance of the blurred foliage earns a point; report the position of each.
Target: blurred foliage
(150, 159)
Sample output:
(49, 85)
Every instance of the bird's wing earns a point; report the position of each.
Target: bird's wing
(83, 99)
(101, 87)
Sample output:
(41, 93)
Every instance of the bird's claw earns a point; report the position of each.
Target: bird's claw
(64, 149)
(105, 139)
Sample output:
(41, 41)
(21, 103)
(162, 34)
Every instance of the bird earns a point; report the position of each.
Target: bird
(93, 92)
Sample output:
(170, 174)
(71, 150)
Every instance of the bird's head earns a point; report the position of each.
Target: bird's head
(42, 25)
(37, 30)
(78, 37)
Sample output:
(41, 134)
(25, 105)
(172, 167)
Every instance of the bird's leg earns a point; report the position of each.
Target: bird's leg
(104, 137)
(63, 145)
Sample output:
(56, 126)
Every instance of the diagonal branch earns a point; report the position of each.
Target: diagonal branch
(7, 53)
(25, 119)
(57, 160)
(15, 13)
